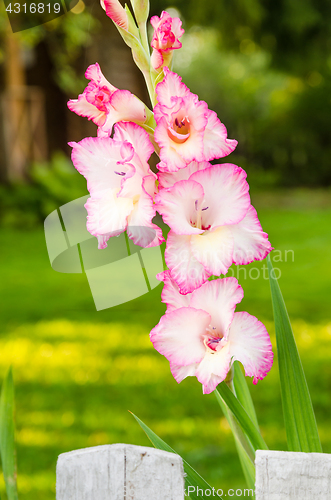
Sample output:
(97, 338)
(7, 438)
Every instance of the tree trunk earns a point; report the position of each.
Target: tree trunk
(15, 132)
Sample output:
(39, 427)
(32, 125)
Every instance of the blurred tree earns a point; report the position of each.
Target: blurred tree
(54, 57)
(267, 73)
(296, 32)
(66, 37)
(23, 95)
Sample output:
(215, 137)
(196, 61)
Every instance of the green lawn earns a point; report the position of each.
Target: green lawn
(77, 371)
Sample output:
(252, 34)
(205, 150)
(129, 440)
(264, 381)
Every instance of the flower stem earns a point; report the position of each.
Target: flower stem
(238, 433)
(147, 75)
(150, 87)
(144, 37)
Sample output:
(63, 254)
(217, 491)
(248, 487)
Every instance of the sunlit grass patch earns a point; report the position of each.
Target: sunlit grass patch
(75, 382)
(63, 351)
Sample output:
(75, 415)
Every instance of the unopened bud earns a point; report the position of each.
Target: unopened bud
(141, 10)
(116, 12)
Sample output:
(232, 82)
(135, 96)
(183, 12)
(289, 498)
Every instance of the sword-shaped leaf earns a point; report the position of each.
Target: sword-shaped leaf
(7, 441)
(299, 417)
(192, 478)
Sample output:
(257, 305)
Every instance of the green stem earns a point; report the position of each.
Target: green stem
(238, 433)
(246, 452)
(144, 37)
(147, 75)
(150, 87)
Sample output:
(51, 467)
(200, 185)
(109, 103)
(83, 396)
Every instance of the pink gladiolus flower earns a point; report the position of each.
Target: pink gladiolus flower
(104, 104)
(202, 336)
(186, 129)
(116, 12)
(213, 225)
(120, 183)
(167, 31)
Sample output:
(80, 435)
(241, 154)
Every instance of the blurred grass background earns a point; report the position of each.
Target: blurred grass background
(78, 371)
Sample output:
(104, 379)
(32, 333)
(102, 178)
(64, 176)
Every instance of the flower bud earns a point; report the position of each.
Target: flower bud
(127, 27)
(116, 12)
(167, 31)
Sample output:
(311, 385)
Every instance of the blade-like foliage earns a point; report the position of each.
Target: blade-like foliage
(299, 417)
(244, 447)
(192, 478)
(242, 392)
(241, 415)
(7, 442)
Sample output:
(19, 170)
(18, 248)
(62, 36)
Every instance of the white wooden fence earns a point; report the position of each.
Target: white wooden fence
(127, 472)
(283, 475)
(119, 472)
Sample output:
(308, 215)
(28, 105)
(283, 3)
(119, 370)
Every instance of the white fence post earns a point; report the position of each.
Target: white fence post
(119, 472)
(283, 475)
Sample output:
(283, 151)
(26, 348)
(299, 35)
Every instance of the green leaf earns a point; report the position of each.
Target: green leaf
(241, 415)
(247, 466)
(299, 417)
(244, 447)
(7, 442)
(132, 27)
(242, 392)
(192, 478)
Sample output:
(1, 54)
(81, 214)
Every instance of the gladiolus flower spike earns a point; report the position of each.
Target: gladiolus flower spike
(207, 207)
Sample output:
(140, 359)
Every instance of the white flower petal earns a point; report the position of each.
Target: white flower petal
(107, 213)
(219, 298)
(226, 194)
(97, 159)
(82, 107)
(216, 143)
(95, 74)
(168, 179)
(181, 372)
(214, 250)
(185, 269)
(170, 86)
(213, 368)
(126, 107)
(138, 137)
(171, 160)
(179, 335)
(170, 294)
(250, 242)
(140, 227)
(177, 205)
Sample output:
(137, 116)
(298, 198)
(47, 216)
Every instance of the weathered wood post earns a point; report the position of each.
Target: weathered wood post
(119, 472)
(283, 475)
